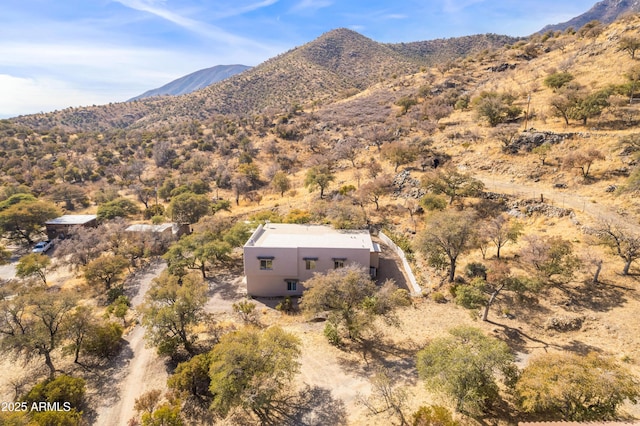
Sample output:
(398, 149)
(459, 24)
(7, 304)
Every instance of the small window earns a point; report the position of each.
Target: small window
(266, 264)
(292, 285)
(338, 263)
(310, 264)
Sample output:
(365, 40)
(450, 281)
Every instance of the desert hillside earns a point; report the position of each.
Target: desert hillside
(508, 175)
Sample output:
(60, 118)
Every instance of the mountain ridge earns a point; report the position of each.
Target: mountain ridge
(337, 64)
(605, 11)
(194, 81)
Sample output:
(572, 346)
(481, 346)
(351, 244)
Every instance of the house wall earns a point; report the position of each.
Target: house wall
(289, 263)
(54, 230)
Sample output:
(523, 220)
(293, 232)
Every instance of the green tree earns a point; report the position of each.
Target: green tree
(281, 182)
(191, 378)
(195, 251)
(550, 258)
(447, 236)
(589, 106)
(484, 292)
(33, 324)
(558, 79)
(405, 103)
(188, 207)
(318, 177)
(120, 207)
(62, 390)
(252, 370)
(351, 298)
(172, 309)
(434, 415)
(25, 218)
(574, 387)
(495, 107)
(104, 340)
(464, 367)
(452, 183)
(33, 264)
(398, 153)
(105, 270)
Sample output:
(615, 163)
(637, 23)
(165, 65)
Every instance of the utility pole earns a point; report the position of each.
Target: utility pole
(526, 117)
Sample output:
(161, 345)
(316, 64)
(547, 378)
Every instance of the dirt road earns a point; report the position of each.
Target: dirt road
(144, 372)
(565, 198)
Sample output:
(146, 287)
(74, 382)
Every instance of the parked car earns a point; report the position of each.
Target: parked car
(42, 247)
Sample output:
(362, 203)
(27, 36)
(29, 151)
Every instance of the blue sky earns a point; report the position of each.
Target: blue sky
(55, 54)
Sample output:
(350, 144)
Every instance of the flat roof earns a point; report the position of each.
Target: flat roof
(143, 227)
(282, 235)
(72, 219)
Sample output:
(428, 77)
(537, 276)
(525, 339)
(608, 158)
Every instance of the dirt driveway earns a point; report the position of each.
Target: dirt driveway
(135, 371)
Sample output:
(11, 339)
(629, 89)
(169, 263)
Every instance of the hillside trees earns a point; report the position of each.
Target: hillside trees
(319, 177)
(452, 183)
(623, 242)
(550, 258)
(447, 236)
(582, 159)
(502, 230)
(574, 102)
(464, 367)
(281, 182)
(630, 45)
(188, 208)
(398, 153)
(495, 107)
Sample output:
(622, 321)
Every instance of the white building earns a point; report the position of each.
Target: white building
(278, 258)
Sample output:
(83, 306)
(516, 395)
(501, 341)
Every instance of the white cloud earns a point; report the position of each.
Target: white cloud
(202, 28)
(455, 6)
(306, 5)
(27, 95)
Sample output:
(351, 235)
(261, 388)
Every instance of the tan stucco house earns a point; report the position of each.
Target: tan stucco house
(279, 257)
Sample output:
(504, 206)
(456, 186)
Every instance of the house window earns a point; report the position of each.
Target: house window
(310, 263)
(338, 262)
(292, 285)
(266, 263)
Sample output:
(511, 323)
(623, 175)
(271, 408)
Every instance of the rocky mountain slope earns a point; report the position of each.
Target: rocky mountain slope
(605, 11)
(194, 81)
(336, 65)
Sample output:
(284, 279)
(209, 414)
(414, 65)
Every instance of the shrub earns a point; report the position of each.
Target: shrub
(438, 297)
(432, 202)
(104, 341)
(285, 306)
(476, 270)
(332, 334)
(433, 415)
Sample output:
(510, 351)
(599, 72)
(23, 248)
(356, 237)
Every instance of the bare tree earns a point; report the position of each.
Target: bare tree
(622, 242)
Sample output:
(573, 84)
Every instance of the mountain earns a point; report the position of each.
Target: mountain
(194, 81)
(337, 64)
(605, 11)
(444, 50)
